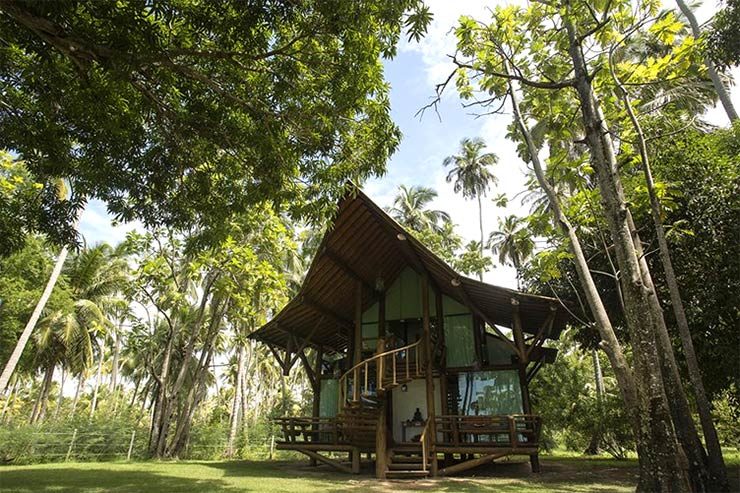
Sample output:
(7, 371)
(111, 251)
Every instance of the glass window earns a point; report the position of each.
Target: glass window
(460, 340)
(499, 353)
(487, 393)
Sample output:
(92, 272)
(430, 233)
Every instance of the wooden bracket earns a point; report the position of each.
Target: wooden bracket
(543, 332)
(518, 331)
(469, 303)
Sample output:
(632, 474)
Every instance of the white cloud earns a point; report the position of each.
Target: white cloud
(96, 225)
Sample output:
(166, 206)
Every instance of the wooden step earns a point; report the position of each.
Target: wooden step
(406, 448)
(406, 459)
(405, 466)
(391, 474)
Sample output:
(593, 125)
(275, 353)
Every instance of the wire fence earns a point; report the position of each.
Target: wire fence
(80, 445)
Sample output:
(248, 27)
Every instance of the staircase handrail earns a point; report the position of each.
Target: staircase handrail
(366, 362)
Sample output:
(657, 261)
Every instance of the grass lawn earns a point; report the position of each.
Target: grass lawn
(565, 474)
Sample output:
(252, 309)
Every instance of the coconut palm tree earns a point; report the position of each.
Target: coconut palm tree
(472, 175)
(410, 209)
(512, 243)
(62, 191)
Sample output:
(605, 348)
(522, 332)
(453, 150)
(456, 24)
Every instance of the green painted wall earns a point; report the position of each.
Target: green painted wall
(402, 299)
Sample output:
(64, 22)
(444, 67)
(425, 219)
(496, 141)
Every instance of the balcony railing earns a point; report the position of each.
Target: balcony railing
(499, 431)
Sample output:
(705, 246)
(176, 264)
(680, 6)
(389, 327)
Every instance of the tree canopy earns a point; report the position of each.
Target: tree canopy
(183, 113)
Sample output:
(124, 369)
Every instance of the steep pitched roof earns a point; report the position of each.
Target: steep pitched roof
(364, 244)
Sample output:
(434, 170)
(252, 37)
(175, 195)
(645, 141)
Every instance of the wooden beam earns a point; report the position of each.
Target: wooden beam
(429, 365)
(357, 339)
(325, 311)
(469, 304)
(276, 353)
(543, 332)
(309, 371)
(329, 462)
(464, 466)
(304, 342)
(381, 314)
(381, 443)
(518, 332)
(344, 265)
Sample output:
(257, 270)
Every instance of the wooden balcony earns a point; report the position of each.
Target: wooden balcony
(472, 434)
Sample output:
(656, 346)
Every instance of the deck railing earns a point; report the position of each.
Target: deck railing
(305, 429)
(511, 431)
(398, 362)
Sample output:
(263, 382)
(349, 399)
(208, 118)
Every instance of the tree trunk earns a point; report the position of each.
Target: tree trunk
(39, 410)
(594, 447)
(480, 225)
(719, 87)
(158, 424)
(195, 395)
(234, 421)
(716, 465)
(78, 391)
(8, 399)
(661, 465)
(31, 325)
(161, 399)
(96, 387)
(60, 399)
(115, 363)
(245, 391)
(609, 341)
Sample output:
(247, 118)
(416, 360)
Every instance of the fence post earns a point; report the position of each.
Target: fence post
(272, 445)
(131, 445)
(71, 444)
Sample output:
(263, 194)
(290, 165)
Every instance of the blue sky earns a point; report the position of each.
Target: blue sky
(426, 142)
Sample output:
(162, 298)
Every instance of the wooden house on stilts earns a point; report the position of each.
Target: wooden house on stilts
(413, 367)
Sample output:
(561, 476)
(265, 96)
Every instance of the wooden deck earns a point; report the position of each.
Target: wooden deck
(461, 442)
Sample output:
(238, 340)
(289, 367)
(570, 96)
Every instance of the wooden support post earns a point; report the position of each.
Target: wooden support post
(429, 368)
(522, 367)
(518, 331)
(381, 444)
(357, 339)
(316, 384)
(464, 466)
(315, 456)
(288, 356)
(356, 461)
(381, 314)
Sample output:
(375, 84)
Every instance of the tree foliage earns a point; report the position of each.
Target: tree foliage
(183, 112)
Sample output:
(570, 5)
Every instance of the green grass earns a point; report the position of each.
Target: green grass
(571, 475)
(559, 474)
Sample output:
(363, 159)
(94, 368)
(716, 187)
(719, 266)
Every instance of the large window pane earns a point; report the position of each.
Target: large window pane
(487, 393)
(460, 340)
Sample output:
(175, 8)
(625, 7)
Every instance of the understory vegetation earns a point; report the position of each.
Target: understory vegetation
(230, 132)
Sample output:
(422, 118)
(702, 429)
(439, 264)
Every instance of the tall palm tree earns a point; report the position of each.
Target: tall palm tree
(472, 175)
(410, 209)
(62, 191)
(512, 243)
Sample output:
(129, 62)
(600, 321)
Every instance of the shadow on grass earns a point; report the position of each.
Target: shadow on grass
(569, 476)
(79, 479)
